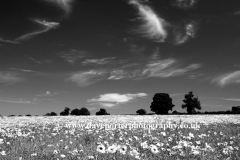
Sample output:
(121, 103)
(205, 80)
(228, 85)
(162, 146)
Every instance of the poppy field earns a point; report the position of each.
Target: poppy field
(125, 137)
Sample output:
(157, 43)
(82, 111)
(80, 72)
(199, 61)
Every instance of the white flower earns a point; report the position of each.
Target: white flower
(112, 149)
(134, 153)
(198, 142)
(3, 153)
(191, 135)
(123, 149)
(101, 148)
(90, 157)
(62, 155)
(159, 144)
(195, 152)
(170, 139)
(1, 141)
(55, 152)
(136, 137)
(34, 154)
(144, 145)
(154, 149)
(163, 133)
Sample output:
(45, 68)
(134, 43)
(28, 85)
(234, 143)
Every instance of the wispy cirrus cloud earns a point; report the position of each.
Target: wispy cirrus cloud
(22, 70)
(227, 79)
(46, 27)
(231, 99)
(72, 55)
(213, 105)
(85, 78)
(154, 66)
(177, 94)
(153, 26)
(101, 61)
(112, 99)
(237, 13)
(47, 94)
(10, 77)
(15, 100)
(8, 41)
(158, 69)
(117, 74)
(190, 30)
(185, 4)
(66, 5)
(166, 68)
(39, 61)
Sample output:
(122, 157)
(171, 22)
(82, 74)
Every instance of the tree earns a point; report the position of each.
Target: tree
(236, 108)
(28, 115)
(76, 112)
(102, 112)
(175, 112)
(65, 112)
(191, 103)
(84, 111)
(162, 103)
(141, 112)
(51, 114)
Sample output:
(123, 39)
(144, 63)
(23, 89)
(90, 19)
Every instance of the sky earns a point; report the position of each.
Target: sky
(117, 54)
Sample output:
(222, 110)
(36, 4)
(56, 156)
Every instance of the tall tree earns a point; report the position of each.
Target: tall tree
(162, 103)
(191, 103)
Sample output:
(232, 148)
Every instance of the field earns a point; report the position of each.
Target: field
(157, 137)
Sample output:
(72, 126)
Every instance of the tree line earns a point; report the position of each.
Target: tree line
(161, 104)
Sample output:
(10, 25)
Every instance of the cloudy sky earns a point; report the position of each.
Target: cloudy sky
(117, 54)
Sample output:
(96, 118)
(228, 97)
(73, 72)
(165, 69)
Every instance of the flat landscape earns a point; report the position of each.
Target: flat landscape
(169, 137)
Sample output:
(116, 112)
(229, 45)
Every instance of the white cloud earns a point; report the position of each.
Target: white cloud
(72, 55)
(228, 78)
(64, 4)
(47, 94)
(155, 67)
(46, 27)
(86, 78)
(189, 33)
(19, 101)
(177, 94)
(118, 74)
(23, 70)
(231, 99)
(8, 41)
(166, 68)
(113, 99)
(185, 4)
(213, 105)
(98, 61)
(153, 27)
(9, 78)
(237, 13)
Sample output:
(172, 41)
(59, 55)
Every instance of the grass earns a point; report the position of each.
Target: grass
(68, 138)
